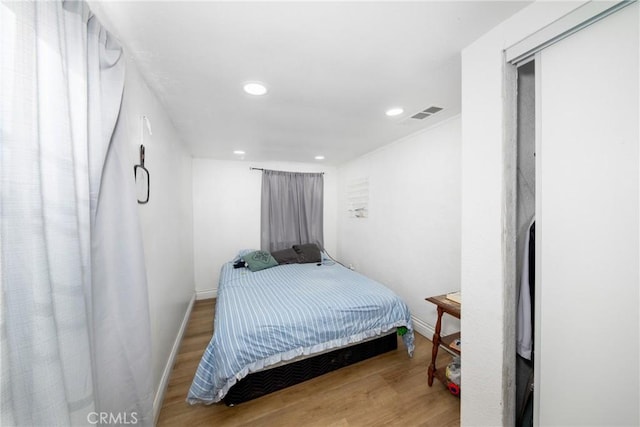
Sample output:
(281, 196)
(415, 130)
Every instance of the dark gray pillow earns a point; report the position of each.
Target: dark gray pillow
(309, 252)
(285, 256)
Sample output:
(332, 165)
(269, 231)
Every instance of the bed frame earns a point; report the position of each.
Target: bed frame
(264, 382)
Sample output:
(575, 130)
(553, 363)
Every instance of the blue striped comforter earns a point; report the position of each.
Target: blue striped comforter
(274, 315)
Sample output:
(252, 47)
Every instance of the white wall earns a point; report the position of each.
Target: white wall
(166, 220)
(411, 239)
(226, 213)
(488, 370)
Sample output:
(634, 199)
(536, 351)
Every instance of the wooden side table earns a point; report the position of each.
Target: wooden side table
(452, 308)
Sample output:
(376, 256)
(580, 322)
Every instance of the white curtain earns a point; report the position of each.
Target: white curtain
(75, 335)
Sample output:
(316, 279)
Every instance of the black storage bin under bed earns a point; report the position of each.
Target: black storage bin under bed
(264, 382)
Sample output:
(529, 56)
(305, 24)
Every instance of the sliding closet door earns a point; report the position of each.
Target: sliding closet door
(587, 223)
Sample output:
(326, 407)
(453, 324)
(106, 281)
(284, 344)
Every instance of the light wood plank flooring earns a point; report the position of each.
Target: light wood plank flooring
(390, 389)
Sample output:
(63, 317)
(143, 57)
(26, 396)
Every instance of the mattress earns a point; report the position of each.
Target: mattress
(276, 315)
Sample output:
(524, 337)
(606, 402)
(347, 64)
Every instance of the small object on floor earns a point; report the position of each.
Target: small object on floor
(453, 376)
(454, 389)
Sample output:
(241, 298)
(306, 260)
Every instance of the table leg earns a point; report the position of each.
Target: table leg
(436, 346)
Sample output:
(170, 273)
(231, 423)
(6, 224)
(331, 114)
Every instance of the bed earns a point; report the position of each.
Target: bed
(276, 326)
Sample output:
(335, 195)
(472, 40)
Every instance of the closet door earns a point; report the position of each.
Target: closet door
(587, 226)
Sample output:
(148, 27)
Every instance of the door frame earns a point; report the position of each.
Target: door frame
(526, 50)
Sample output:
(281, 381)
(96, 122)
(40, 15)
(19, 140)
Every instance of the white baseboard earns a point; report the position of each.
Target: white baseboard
(206, 294)
(164, 381)
(422, 328)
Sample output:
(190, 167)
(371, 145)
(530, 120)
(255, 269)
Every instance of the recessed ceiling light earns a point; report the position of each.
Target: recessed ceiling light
(239, 152)
(319, 157)
(255, 88)
(396, 111)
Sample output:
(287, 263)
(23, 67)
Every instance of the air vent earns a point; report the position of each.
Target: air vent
(426, 113)
(432, 110)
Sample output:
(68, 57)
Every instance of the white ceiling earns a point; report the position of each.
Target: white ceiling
(332, 68)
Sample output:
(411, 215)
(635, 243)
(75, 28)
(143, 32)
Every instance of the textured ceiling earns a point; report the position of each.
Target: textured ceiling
(332, 68)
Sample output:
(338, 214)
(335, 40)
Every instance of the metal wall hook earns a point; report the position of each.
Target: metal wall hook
(141, 174)
(142, 155)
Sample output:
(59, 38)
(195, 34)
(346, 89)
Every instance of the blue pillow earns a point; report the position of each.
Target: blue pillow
(259, 260)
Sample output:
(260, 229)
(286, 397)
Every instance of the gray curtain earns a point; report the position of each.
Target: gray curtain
(292, 209)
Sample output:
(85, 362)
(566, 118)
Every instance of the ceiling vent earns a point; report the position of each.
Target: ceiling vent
(426, 113)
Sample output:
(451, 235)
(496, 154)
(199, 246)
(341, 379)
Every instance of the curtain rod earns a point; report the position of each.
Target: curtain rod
(261, 169)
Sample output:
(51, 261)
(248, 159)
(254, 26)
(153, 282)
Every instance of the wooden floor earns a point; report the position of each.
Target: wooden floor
(390, 389)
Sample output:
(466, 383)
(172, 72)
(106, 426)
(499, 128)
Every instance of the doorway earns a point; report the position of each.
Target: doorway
(525, 241)
(587, 244)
